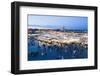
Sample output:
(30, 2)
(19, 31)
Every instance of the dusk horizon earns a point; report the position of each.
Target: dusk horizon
(57, 22)
(57, 37)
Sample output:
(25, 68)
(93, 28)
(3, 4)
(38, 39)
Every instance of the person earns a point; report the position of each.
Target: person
(66, 48)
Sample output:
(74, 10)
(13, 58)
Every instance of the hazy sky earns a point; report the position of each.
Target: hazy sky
(56, 22)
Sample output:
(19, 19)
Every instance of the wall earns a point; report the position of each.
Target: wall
(5, 42)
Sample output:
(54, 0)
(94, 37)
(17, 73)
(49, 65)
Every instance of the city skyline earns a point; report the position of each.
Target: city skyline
(57, 22)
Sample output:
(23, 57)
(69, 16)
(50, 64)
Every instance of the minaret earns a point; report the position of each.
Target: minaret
(63, 28)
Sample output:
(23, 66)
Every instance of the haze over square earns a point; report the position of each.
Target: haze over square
(55, 22)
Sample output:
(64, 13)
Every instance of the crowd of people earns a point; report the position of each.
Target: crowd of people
(38, 50)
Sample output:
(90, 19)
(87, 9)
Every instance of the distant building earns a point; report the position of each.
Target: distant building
(30, 31)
